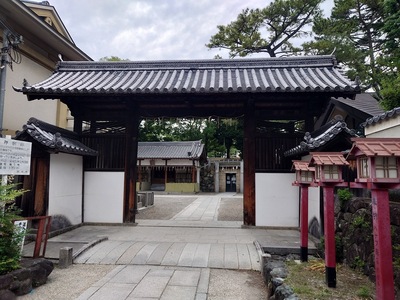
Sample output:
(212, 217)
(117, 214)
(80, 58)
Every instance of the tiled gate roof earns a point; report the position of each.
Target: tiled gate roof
(169, 150)
(289, 74)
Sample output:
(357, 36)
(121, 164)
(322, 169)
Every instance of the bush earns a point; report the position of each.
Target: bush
(10, 239)
(344, 196)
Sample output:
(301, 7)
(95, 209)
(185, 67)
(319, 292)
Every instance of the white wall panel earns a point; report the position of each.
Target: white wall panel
(65, 186)
(104, 197)
(277, 201)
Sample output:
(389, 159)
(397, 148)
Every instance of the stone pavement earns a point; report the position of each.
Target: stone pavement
(171, 259)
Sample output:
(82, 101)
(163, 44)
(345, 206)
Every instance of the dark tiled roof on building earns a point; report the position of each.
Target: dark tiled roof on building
(170, 150)
(364, 102)
(54, 138)
(321, 137)
(383, 116)
(288, 74)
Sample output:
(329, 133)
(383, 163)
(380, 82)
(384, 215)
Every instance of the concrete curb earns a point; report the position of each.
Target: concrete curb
(88, 246)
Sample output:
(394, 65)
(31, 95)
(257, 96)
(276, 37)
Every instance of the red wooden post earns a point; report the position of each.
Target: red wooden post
(329, 232)
(382, 244)
(304, 223)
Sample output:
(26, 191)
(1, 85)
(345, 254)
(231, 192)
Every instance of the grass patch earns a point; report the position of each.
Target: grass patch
(308, 281)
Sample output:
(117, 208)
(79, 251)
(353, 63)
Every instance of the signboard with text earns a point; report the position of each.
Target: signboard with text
(15, 157)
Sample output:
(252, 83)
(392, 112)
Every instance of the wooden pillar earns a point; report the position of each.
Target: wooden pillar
(132, 133)
(249, 151)
(166, 173)
(140, 175)
(382, 244)
(304, 223)
(329, 232)
(78, 124)
(193, 173)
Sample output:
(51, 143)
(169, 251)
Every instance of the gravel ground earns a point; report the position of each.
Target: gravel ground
(164, 208)
(63, 284)
(238, 285)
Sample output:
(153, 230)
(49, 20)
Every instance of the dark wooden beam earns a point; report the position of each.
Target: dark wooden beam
(131, 148)
(249, 151)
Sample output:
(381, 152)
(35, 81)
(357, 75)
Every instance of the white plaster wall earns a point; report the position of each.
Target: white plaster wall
(103, 197)
(277, 201)
(65, 186)
(313, 204)
(17, 108)
(389, 127)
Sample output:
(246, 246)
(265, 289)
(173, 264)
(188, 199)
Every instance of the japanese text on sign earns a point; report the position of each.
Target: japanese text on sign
(15, 157)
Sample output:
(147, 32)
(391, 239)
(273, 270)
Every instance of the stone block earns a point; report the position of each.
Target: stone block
(65, 259)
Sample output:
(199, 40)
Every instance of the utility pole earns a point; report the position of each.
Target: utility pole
(3, 73)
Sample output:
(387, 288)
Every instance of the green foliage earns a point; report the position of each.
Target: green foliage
(358, 264)
(344, 196)
(359, 222)
(338, 247)
(113, 58)
(390, 92)
(10, 239)
(354, 34)
(268, 30)
(220, 136)
(364, 292)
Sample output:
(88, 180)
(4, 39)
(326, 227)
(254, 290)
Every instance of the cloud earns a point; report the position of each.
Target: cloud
(148, 29)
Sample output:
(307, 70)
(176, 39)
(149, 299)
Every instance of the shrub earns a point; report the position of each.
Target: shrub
(344, 196)
(10, 239)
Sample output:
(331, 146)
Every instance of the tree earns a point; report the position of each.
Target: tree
(281, 21)
(113, 58)
(230, 133)
(354, 34)
(391, 81)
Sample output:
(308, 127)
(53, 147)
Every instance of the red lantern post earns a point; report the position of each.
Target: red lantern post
(304, 179)
(378, 170)
(328, 175)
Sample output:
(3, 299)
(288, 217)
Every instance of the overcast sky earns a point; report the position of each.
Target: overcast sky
(150, 29)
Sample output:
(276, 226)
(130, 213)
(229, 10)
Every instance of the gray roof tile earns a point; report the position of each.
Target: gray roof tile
(290, 74)
(170, 150)
(321, 137)
(54, 138)
(383, 116)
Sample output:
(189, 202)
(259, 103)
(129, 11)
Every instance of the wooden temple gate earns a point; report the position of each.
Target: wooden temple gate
(259, 90)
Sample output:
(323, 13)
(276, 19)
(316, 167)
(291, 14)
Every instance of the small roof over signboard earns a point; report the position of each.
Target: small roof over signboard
(170, 150)
(53, 138)
(375, 147)
(328, 159)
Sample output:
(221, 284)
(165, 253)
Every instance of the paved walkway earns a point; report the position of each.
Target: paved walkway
(171, 259)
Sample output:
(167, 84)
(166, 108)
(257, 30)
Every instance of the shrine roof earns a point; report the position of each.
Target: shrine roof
(327, 158)
(376, 146)
(302, 165)
(285, 74)
(170, 150)
(322, 136)
(53, 138)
